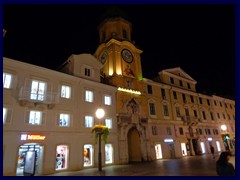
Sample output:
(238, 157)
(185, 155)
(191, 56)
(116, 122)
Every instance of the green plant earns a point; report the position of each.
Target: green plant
(100, 130)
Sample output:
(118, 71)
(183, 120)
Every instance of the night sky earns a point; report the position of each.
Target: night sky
(198, 38)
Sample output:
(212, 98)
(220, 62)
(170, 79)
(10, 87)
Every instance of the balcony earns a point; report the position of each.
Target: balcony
(47, 98)
(189, 120)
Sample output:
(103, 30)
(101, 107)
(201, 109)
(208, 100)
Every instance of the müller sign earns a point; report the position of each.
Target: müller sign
(32, 137)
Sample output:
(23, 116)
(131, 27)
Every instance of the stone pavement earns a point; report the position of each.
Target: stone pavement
(203, 165)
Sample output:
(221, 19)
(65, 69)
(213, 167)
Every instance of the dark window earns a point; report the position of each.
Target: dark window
(184, 98)
(180, 83)
(229, 117)
(199, 131)
(225, 105)
(211, 114)
(195, 113)
(208, 102)
(171, 80)
(221, 104)
(218, 115)
(200, 100)
(149, 89)
(224, 116)
(163, 93)
(204, 115)
(178, 112)
(215, 103)
(187, 112)
(152, 108)
(87, 72)
(154, 130)
(192, 100)
(181, 131)
(165, 110)
(188, 85)
(174, 95)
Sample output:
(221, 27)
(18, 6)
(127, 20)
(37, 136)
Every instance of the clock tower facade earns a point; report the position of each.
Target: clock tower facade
(122, 68)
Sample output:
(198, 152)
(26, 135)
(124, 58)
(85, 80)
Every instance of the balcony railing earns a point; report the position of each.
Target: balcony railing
(45, 98)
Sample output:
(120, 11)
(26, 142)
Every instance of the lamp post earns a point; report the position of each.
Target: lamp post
(99, 114)
(225, 136)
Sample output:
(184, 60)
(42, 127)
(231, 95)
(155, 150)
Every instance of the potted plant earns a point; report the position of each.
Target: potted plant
(100, 130)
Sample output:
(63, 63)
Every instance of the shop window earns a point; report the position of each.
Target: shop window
(66, 92)
(61, 157)
(108, 153)
(88, 155)
(158, 151)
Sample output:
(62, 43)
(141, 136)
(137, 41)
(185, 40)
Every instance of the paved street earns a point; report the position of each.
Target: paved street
(186, 166)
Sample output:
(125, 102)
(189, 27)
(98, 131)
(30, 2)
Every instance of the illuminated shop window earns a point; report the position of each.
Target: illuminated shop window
(158, 151)
(7, 80)
(38, 89)
(107, 100)
(87, 155)
(88, 96)
(108, 153)
(61, 157)
(108, 123)
(89, 121)
(66, 92)
(64, 120)
(35, 117)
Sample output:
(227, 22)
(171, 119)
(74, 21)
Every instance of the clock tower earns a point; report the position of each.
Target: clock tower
(122, 68)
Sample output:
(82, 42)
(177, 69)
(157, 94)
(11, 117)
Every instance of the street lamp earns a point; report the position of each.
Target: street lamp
(99, 114)
(224, 127)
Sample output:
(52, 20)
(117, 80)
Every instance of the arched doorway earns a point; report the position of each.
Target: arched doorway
(30, 156)
(134, 150)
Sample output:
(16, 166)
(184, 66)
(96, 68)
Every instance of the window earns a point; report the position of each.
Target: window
(65, 92)
(215, 131)
(200, 100)
(7, 115)
(188, 85)
(163, 93)
(215, 103)
(221, 104)
(124, 32)
(152, 108)
(199, 131)
(4, 115)
(88, 121)
(191, 97)
(204, 115)
(7, 80)
(149, 89)
(165, 110)
(108, 153)
(225, 105)
(181, 131)
(230, 106)
(218, 115)
(64, 120)
(208, 102)
(169, 131)
(184, 98)
(88, 96)
(107, 100)
(171, 80)
(108, 123)
(195, 113)
(224, 116)
(211, 114)
(35, 117)
(61, 157)
(174, 95)
(88, 155)
(38, 89)
(178, 112)
(87, 72)
(187, 112)
(229, 117)
(154, 130)
(180, 83)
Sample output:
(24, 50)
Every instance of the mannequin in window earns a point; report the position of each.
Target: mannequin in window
(86, 153)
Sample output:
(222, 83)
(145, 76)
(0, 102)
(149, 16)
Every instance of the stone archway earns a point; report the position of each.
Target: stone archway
(134, 148)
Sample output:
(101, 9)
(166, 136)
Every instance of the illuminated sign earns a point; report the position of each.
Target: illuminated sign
(129, 91)
(25, 137)
(209, 139)
(168, 140)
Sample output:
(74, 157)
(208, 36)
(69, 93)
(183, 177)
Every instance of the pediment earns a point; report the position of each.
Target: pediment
(178, 72)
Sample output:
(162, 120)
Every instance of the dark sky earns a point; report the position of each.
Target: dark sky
(198, 38)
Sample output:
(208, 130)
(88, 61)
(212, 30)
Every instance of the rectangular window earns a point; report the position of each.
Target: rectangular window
(66, 92)
(211, 114)
(169, 131)
(192, 99)
(204, 115)
(154, 130)
(178, 112)
(218, 115)
(224, 116)
(208, 102)
(35, 117)
(180, 83)
(229, 117)
(108, 153)
(38, 89)
(64, 120)
(4, 115)
(149, 89)
(163, 93)
(184, 98)
(108, 123)
(107, 100)
(200, 100)
(195, 113)
(171, 80)
(188, 85)
(165, 110)
(88, 96)
(215, 103)
(221, 104)
(87, 72)
(225, 105)
(187, 112)
(152, 108)
(199, 131)
(89, 121)
(181, 131)
(174, 95)
(61, 157)
(7, 80)
(87, 155)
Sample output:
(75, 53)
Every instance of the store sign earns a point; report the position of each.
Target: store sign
(168, 140)
(25, 137)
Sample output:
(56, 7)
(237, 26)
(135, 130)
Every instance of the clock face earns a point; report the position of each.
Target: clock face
(127, 55)
(103, 57)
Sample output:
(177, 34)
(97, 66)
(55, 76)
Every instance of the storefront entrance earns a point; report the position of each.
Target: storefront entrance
(29, 160)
